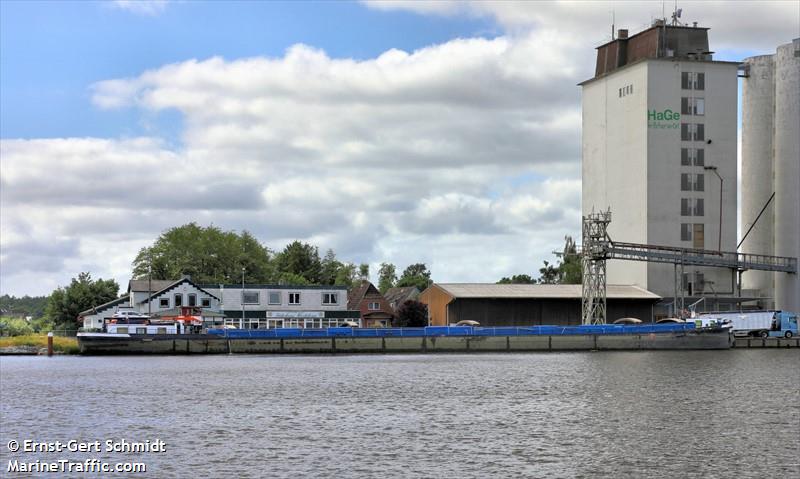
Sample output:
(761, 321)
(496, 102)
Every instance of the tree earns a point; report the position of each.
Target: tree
(416, 275)
(208, 254)
(66, 303)
(346, 275)
(412, 314)
(517, 279)
(548, 274)
(301, 259)
(363, 271)
(330, 267)
(571, 268)
(387, 277)
(25, 306)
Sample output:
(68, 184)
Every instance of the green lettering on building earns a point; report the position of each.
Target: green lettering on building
(666, 119)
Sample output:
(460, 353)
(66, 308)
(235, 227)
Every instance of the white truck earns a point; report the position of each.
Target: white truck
(756, 323)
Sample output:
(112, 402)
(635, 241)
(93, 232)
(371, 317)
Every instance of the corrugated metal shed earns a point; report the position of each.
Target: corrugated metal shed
(544, 291)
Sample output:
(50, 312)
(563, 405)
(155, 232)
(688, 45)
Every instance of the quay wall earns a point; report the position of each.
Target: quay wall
(210, 344)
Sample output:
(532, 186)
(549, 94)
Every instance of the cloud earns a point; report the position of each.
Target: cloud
(464, 155)
(142, 7)
(745, 25)
(353, 155)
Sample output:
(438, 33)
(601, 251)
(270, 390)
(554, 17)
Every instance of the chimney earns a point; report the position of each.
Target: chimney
(622, 33)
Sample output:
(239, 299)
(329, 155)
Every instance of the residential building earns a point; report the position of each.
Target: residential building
(659, 150)
(375, 311)
(399, 295)
(528, 304)
(254, 306)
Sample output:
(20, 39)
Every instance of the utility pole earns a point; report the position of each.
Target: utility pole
(714, 169)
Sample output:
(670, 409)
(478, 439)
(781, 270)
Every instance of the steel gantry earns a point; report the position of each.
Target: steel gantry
(598, 247)
(595, 252)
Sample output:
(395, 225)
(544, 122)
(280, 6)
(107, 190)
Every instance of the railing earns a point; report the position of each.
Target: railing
(450, 331)
(701, 257)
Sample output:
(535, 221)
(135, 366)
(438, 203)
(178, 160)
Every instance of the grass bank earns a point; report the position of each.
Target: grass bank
(64, 345)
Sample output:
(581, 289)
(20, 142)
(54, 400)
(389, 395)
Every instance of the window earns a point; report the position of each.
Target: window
(294, 298)
(686, 232)
(329, 298)
(205, 302)
(699, 207)
(692, 132)
(374, 306)
(692, 182)
(141, 330)
(699, 157)
(686, 208)
(250, 297)
(192, 299)
(692, 207)
(693, 106)
(699, 282)
(693, 81)
(163, 303)
(699, 107)
(161, 331)
(274, 297)
(123, 330)
(178, 300)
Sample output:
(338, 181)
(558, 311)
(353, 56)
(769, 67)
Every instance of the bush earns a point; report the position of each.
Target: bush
(412, 314)
(14, 327)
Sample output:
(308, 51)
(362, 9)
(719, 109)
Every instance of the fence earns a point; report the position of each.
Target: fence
(450, 331)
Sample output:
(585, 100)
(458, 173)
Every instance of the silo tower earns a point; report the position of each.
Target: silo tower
(771, 164)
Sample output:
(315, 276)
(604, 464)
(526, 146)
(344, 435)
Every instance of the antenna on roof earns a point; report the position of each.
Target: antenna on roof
(676, 14)
(613, 18)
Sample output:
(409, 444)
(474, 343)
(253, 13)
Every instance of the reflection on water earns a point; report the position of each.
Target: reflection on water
(626, 414)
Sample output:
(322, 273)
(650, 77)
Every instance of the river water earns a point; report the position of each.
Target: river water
(608, 414)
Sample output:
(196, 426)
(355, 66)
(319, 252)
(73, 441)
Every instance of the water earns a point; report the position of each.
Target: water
(627, 414)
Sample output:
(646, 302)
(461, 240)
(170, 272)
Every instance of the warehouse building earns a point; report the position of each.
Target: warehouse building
(528, 304)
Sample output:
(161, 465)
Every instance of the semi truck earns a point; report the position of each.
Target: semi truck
(781, 324)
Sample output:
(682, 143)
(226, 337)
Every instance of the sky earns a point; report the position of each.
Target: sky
(439, 132)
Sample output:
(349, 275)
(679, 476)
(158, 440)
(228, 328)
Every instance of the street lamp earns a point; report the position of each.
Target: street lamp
(714, 169)
(241, 325)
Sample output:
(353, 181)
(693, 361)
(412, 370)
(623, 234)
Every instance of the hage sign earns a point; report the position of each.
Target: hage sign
(666, 119)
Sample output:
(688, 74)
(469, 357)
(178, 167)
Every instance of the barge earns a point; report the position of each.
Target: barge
(432, 339)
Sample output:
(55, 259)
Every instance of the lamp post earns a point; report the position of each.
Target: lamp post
(241, 325)
(714, 169)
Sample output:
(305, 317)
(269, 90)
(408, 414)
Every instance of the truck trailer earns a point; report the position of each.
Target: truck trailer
(782, 324)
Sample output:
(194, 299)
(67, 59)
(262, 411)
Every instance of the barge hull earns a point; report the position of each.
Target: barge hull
(215, 344)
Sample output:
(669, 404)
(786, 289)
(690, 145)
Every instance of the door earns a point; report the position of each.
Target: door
(699, 236)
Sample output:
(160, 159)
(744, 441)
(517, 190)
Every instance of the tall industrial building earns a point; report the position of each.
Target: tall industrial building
(771, 165)
(659, 149)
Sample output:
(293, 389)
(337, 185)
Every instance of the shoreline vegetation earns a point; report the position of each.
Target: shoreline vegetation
(35, 343)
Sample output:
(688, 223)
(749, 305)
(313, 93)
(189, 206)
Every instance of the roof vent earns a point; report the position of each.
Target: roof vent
(622, 33)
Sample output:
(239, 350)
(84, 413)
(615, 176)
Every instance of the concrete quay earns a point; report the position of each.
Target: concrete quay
(766, 343)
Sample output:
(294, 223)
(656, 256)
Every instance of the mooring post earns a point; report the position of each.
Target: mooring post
(50, 344)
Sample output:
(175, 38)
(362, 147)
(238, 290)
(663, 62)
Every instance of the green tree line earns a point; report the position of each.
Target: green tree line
(568, 269)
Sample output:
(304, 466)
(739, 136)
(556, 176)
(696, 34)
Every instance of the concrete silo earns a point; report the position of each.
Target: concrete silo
(758, 115)
(771, 163)
(787, 170)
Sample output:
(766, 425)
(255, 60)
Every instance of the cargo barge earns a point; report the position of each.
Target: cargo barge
(433, 339)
